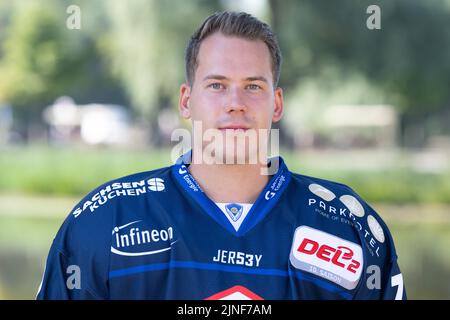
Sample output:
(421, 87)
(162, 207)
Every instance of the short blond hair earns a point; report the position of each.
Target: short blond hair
(238, 24)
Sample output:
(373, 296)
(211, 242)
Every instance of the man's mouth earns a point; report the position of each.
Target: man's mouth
(234, 128)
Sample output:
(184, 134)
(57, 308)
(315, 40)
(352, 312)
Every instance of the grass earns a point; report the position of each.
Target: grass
(74, 171)
(377, 177)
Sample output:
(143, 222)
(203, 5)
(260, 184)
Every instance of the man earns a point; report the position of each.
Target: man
(218, 224)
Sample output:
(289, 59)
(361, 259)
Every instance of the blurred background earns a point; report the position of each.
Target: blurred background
(87, 100)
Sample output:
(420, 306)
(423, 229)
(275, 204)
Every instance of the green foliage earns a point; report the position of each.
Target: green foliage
(145, 43)
(400, 186)
(132, 53)
(31, 54)
(407, 58)
(68, 171)
(43, 60)
(331, 86)
(424, 257)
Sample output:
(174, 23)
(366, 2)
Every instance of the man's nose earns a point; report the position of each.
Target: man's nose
(235, 101)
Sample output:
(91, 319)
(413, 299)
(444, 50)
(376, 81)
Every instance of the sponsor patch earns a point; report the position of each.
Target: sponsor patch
(321, 192)
(353, 205)
(120, 189)
(376, 229)
(327, 256)
(156, 184)
(134, 239)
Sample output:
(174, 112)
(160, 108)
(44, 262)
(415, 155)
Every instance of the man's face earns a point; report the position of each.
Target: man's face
(233, 88)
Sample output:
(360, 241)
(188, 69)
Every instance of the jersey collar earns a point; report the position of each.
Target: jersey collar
(264, 203)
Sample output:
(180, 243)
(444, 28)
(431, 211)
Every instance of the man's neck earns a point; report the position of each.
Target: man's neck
(230, 183)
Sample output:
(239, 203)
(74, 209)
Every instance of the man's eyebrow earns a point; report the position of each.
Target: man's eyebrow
(215, 77)
(259, 78)
(220, 77)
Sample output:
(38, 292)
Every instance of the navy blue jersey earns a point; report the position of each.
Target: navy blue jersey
(156, 235)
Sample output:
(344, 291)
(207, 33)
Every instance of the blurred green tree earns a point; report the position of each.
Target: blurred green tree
(145, 43)
(406, 62)
(42, 60)
(132, 53)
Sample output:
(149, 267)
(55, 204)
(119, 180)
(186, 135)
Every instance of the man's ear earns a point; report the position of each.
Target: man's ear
(183, 105)
(278, 111)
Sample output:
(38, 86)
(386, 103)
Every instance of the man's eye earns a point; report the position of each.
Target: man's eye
(216, 86)
(253, 87)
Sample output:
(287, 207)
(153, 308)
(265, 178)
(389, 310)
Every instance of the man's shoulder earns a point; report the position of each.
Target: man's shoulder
(94, 214)
(119, 189)
(320, 185)
(331, 192)
(337, 199)
(138, 176)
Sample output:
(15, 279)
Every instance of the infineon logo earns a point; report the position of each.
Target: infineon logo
(135, 239)
(327, 256)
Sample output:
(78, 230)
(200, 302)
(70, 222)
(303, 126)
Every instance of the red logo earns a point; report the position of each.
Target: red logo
(340, 256)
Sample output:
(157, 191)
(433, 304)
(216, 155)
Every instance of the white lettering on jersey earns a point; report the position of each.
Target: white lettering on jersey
(237, 258)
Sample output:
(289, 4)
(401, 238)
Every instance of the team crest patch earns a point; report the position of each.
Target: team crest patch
(234, 210)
